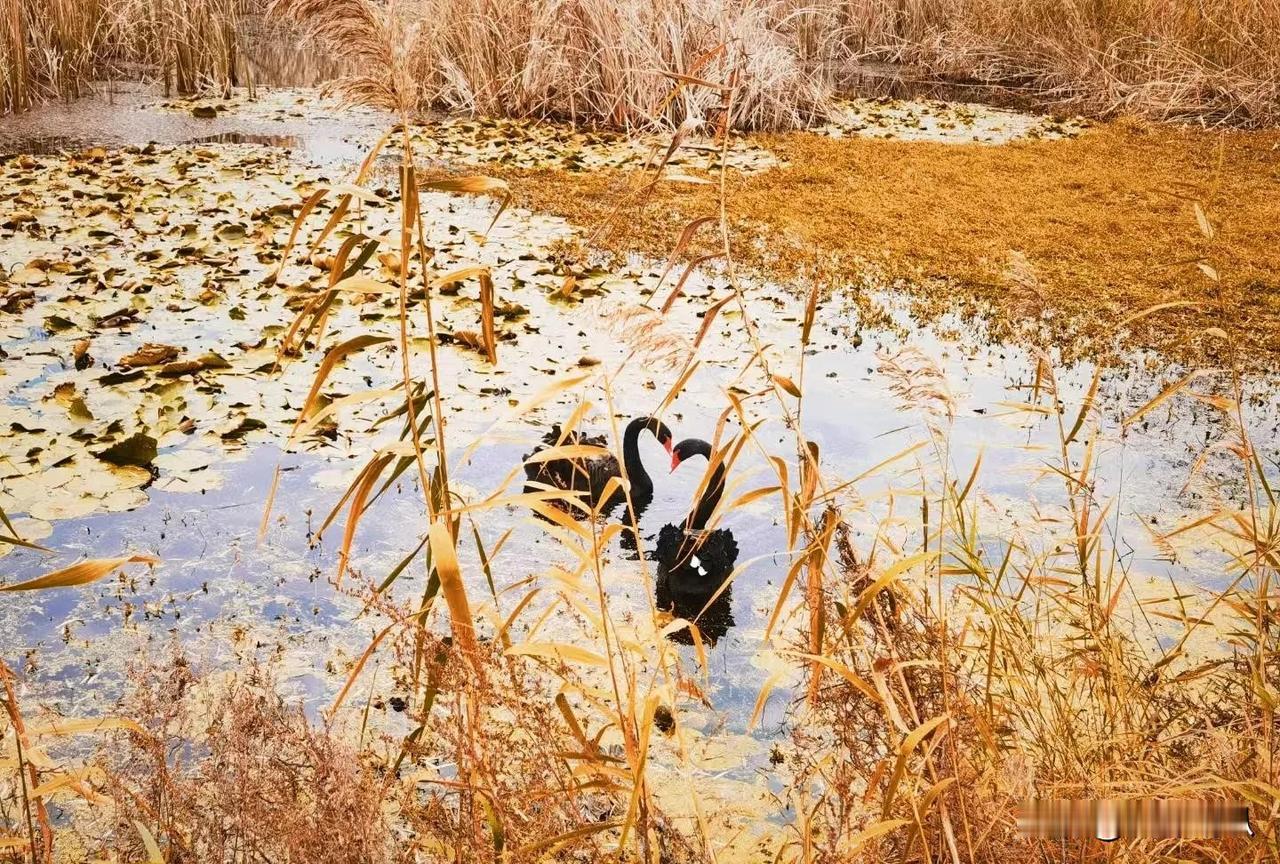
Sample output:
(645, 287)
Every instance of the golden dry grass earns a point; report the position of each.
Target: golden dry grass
(55, 48)
(1105, 220)
(1157, 58)
(609, 62)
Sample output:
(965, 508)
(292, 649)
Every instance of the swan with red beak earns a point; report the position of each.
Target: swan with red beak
(693, 563)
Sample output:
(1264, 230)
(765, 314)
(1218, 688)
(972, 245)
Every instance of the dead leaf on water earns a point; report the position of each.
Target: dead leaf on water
(150, 354)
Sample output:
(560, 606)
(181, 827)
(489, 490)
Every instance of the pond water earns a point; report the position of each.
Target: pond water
(126, 113)
(224, 594)
(878, 80)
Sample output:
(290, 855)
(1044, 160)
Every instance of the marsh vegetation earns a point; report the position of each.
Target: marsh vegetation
(332, 523)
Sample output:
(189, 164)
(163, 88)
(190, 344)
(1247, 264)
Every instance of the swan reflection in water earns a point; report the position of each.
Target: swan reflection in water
(631, 515)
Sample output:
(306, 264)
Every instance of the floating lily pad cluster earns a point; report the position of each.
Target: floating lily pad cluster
(480, 141)
(139, 317)
(948, 122)
(121, 273)
(143, 304)
(264, 104)
(533, 144)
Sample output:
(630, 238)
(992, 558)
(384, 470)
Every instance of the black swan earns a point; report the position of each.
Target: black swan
(592, 476)
(693, 562)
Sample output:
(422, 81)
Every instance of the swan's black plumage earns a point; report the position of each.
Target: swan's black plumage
(592, 476)
(692, 562)
(712, 613)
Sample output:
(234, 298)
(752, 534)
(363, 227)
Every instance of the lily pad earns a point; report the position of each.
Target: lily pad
(138, 449)
(247, 425)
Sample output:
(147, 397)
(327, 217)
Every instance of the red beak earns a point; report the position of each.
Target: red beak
(675, 461)
(667, 445)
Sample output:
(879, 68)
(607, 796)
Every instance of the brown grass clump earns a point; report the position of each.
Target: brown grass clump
(1104, 222)
(230, 771)
(1157, 58)
(948, 697)
(1085, 718)
(849, 745)
(629, 64)
(54, 48)
(513, 789)
(621, 64)
(376, 40)
(615, 63)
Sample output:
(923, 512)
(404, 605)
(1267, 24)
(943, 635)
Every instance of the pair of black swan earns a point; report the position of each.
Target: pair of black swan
(692, 562)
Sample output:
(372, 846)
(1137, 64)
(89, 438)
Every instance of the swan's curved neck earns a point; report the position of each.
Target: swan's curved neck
(636, 472)
(697, 520)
